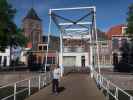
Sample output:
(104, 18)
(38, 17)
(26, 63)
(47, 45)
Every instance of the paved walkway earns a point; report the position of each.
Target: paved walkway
(76, 87)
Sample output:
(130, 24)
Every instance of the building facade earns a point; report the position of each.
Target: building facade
(32, 29)
(75, 52)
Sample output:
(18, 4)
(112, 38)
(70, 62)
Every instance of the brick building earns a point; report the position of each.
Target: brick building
(32, 29)
(116, 30)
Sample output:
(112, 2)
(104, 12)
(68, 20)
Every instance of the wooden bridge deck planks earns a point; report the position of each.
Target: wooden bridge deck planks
(77, 87)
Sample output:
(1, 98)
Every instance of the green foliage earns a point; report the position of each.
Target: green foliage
(130, 20)
(7, 26)
(20, 39)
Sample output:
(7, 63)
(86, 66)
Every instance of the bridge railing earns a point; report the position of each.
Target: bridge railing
(24, 88)
(110, 88)
(105, 59)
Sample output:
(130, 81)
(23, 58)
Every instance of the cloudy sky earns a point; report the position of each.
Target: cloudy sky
(109, 12)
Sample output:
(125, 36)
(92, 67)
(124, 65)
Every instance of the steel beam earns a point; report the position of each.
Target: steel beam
(79, 23)
(75, 8)
(76, 29)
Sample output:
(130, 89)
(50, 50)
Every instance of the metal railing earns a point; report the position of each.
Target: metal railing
(24, 88)
(111, 89)
(105, 60)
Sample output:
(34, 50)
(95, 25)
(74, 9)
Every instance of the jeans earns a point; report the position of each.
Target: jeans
(55, 85)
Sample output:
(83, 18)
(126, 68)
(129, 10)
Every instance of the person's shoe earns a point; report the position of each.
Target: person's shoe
(56, 93)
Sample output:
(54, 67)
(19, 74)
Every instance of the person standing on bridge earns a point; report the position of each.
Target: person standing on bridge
(56, 77)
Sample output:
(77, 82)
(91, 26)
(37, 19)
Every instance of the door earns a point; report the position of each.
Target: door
(69, 61)
(83, 61)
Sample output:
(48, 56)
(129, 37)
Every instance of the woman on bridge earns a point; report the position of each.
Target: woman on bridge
(56, 77)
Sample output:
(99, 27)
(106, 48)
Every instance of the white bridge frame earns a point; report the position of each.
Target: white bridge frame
(89, 30)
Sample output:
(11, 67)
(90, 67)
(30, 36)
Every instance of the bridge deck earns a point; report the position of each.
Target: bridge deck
(76, 87)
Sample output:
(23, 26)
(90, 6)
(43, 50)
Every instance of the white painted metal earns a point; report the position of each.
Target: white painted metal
(5, 54)
(29, 89)
(27, 84)
(76, 37)
(48, 40)
(15, 91)
(92, 51)
(75, 8)
(79, 23)
(61, 54)
(131, 98)
(91, 57)
(81, 32)
(107, 85)
(76, 29)
(96, 39)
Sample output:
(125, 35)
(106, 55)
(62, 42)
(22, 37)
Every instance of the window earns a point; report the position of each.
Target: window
(40, 47)
(49, 60)
(115, 43)
(82, 57)
(123, 41)
(53, 60)
(5, 61)
(44, 47)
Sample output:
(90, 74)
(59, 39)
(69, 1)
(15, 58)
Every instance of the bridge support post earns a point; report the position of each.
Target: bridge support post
(29, 88)
(61, 54)
(15, 89)
(91, 60)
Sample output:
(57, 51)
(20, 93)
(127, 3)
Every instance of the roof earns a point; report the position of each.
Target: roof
(32, 15)
(115, 30)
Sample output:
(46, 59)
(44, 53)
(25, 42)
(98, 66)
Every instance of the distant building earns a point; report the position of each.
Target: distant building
(32, 29)
(54, 43)
(116, 30)
(53, 49)
(10, 54)
(116, 36)
(5, 58)
(75, 52)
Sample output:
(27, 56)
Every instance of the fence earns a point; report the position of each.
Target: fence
(105, 59)
(112, 91)
(24, 88)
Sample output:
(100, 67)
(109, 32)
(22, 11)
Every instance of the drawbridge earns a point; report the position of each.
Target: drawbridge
(73, 24)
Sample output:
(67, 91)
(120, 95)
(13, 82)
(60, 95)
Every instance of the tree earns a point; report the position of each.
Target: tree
(7, 26)
(129, 30)
(20, 38)
(125, 51)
